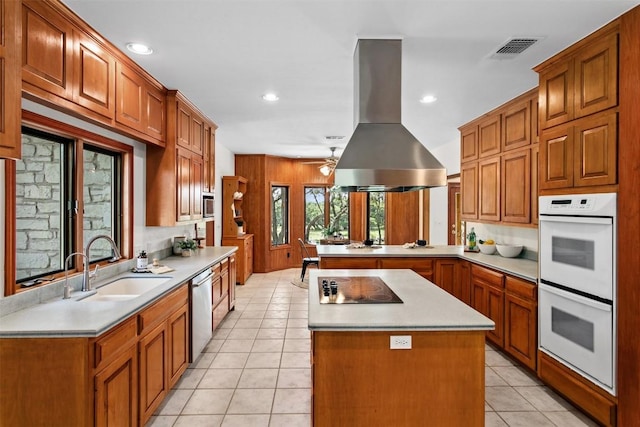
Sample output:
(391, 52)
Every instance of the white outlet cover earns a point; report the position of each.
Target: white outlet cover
(400, 342)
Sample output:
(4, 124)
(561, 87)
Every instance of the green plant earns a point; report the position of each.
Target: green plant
(188, 244)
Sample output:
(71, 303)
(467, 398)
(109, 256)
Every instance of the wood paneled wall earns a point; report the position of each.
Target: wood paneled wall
(263, 171)
(629, 221)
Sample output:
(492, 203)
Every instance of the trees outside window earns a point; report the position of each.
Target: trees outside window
(326, 213)
(279, 215)
(376, 217)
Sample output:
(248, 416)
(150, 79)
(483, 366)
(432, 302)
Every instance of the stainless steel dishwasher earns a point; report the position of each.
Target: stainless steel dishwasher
(201, 321)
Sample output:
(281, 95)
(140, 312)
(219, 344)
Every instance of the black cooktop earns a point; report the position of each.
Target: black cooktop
(355, 290)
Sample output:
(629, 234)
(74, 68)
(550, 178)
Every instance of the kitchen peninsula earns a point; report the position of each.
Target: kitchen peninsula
(357, 379)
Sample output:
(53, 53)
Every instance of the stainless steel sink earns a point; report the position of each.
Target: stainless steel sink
(126, 288)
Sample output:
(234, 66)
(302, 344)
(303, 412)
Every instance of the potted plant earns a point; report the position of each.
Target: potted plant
(187, 246)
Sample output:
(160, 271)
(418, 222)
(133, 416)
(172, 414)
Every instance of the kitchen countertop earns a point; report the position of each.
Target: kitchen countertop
(520, 267)
(425, 307)
(76, 318)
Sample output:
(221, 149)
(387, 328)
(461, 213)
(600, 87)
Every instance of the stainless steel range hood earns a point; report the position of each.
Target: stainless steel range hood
(382, 155)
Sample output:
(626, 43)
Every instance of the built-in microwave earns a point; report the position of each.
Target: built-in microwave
(208, 205)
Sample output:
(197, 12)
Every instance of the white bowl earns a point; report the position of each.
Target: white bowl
(487, 249)
(509, 251)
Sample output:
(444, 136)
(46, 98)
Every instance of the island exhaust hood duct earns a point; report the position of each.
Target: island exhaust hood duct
(382, 155)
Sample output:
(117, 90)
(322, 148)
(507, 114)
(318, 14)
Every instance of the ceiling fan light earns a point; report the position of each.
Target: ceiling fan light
(325, 170)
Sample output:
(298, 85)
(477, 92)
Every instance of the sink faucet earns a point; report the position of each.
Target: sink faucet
(87, 275)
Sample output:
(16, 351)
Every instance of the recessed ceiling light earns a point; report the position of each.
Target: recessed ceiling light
(139, 48)
(428, 99)
(271, 97)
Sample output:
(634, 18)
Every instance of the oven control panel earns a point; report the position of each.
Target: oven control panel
(579, 204)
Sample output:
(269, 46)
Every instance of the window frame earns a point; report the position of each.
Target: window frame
(286, 215)
(81, 137)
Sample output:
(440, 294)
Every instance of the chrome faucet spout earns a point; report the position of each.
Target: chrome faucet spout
(87, 276)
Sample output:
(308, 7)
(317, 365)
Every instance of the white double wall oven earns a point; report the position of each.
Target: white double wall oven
(577, 285)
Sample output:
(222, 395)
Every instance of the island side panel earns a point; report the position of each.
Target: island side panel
(358, 380)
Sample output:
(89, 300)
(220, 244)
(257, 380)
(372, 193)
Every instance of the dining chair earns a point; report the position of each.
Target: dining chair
(306, 259)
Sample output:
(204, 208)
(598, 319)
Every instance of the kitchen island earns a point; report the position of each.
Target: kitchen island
(359, 380)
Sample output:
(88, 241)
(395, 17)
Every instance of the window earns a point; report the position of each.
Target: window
(326, 213)
(279, 215)
(67, 188)
(376, 217)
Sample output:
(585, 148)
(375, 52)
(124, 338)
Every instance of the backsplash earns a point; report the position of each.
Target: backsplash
(528, 237)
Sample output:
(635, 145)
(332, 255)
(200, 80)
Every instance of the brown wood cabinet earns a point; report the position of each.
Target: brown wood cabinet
(422, 266)
(516, 191)
(10, 55)
(116, 391)
(446, 274)
(583, 80)
(497, 187)
(153, 368)
(209, 158)
(489, 189)
(521, 320)
(487, 297)
(68, 66)
(244, 256)
(580, 154)
(535, 176)
(462, 290)
(232, 282)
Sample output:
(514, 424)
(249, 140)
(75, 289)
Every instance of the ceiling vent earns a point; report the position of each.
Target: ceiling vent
(514, 47)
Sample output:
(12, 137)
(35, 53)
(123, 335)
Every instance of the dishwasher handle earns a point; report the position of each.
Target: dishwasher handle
(206, 279)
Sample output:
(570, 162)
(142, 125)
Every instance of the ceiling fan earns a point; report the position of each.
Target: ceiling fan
(328, 164)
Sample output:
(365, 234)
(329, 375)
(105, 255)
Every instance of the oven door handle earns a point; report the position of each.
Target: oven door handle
(577, 219)
(576, 298)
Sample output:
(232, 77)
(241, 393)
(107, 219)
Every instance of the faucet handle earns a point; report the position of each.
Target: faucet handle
(94, 273)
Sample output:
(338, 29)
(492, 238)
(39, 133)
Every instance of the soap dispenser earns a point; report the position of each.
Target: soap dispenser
(142, 261)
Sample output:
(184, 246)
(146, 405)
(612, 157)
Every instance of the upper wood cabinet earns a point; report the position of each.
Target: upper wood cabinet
(141, 106)
(497, 187)
(580, 81)
(68, 66)
(10, 29)
(209, 158)
(489, 136)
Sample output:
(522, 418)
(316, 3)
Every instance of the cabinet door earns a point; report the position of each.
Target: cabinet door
(95, 71)
(556, 158)
(116, 392)
(183, 124)
(520, 329)
(469, 143)
(183, 188)
(153, 370)
(516, 126)
(232, 282)
(195, 182)
(47, 51)
(469, 190)
(10, 60)
(206, 160)
(155, 116)
(535, 151)
(489, 136)
(178, 352)
(478, 296)
(516, 187)
(446, 275)
(595, 152)
(130, 90)
(495, 311)
(556, 95)
(596, 76)
(489, 185)
(462, 287)
(197, 134)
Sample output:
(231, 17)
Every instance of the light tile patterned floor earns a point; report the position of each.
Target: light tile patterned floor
(255, 371)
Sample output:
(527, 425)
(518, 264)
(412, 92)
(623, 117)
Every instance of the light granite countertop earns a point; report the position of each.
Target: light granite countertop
(425, 306)
(77, 318)
(520, 267)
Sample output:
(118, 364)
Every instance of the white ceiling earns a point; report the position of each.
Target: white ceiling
(224, 54)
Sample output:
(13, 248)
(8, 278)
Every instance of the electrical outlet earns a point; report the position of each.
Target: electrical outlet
(400, 342)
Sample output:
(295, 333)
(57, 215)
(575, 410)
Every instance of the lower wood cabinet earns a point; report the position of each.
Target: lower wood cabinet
(521, 320)
(116, 391)
(446, 275)
(232, 282)
(153, 379)
(487, 296)
(244, 255)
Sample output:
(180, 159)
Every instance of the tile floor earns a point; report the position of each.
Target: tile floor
(255, 371)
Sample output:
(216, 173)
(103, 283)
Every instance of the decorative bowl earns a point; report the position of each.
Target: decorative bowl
(487, 249)
(509, 251)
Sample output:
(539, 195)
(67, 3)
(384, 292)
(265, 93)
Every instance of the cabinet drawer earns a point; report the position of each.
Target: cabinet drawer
(490, 277)
(520, 287)
(220, 312)
(159, 311)
(108, 347)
